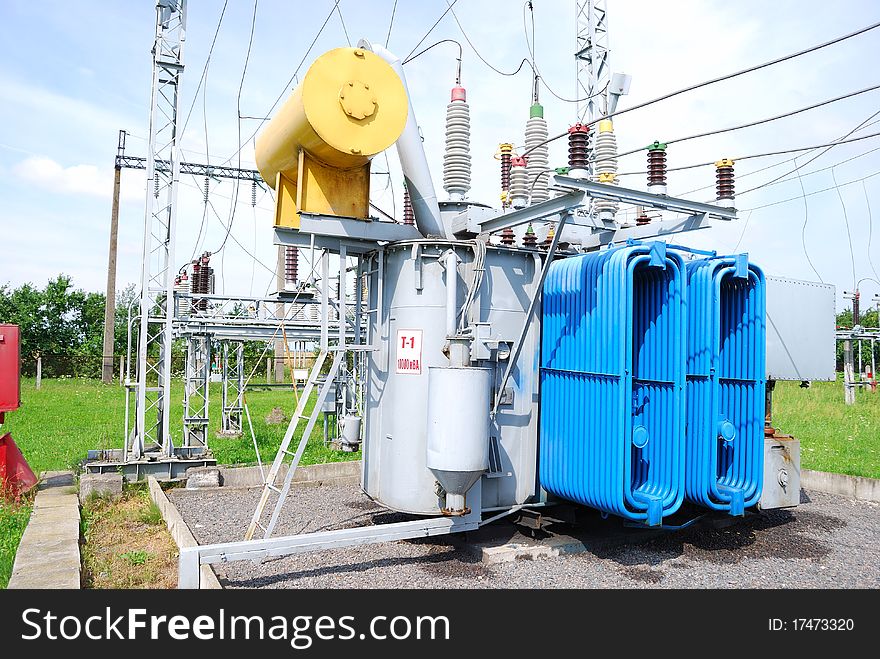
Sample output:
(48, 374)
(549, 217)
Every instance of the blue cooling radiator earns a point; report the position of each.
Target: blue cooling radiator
(613, 381)
(725, 383)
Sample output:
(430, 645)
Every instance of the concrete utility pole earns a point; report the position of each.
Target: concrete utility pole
(110, 298)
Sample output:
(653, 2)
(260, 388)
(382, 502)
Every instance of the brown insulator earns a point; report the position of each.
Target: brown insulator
(530, 239)
(291, 264)
(549, 239)
(578, 145)
(409, 215)
(506, 151)
(657, 165)
(642, 220)
(508, 237)
(724, 179)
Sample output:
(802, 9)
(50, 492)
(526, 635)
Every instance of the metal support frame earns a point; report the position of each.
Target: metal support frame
(192, 558)
(152, 419)
(648, 199)
(197, 378)
(232, 387)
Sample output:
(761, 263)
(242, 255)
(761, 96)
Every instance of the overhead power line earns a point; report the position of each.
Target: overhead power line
(810, 194)
(758, 122)
(287, 85)
(247, 59)
(762, 155)
(713, 81)
(431, 29)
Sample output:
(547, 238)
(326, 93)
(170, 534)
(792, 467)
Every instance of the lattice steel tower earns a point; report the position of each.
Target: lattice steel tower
(592, 56)
(151, 430)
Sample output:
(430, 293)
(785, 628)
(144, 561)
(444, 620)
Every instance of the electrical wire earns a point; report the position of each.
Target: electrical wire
(742, 233)
(758, 122)
(391, 23)
(431, 29)
(870, 230)
(344, 29)
(840, 140)
(437, 43)
(852, 254)
(810, 194)
(531, 48)
(763, 155)
(247, 59)
(204, 69)
(728, 76)
(287, 85)
(817, 156)
(804, 226)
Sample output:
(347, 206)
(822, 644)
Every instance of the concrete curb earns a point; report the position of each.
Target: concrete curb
(48, 555)
(330, 473)
(180, 531)
(852, 487)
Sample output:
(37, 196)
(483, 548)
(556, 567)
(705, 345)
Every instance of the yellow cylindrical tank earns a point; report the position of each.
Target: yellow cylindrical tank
(350, 106)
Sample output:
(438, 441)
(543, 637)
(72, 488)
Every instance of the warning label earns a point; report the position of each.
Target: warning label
(409, 352)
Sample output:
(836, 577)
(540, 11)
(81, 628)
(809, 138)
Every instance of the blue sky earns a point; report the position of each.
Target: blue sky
(73, 74)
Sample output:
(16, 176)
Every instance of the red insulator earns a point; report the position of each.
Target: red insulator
(291, 264)
(409, 215)
(657, 164)
(724, 179)
(578, 146)
(643, 219)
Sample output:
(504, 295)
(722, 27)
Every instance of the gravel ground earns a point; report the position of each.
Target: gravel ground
(827, 542)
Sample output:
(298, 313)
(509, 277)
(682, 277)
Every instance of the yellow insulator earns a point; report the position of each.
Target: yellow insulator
(724, 162)
(605, 126)
(316, 150)
(606, 177)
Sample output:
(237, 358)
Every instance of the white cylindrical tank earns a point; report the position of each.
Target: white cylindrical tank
(458, 430)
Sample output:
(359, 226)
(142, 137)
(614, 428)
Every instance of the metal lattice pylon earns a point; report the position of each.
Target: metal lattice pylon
(197, 377)
(592, 55)
(233, 386)
(151, 431)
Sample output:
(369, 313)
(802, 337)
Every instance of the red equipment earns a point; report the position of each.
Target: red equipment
(15, 474)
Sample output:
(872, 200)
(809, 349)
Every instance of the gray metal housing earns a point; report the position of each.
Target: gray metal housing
(407, 291)
(800, 330)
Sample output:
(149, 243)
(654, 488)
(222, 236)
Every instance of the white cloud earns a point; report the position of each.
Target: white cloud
(83, 179)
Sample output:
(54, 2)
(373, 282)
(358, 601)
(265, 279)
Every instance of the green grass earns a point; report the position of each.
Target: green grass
(58, 423)
(61, 421)
(13, 520)
(834, 437)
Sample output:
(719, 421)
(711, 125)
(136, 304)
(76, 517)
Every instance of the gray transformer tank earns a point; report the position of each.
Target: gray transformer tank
(408, 291)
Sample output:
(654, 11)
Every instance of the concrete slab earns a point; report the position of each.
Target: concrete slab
(331, 473)
(48, 556)
(103, 485)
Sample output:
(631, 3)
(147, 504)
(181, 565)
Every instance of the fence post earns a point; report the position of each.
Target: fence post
(268, 370)
(121, 370)
(39, 371)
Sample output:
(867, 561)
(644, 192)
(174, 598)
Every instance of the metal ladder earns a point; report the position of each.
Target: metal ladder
(285, 455)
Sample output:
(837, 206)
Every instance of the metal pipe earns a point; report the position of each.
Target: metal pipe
(413, 161)
(450, 262)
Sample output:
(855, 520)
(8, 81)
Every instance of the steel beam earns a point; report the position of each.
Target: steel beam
(191, 558)
(631, 196)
